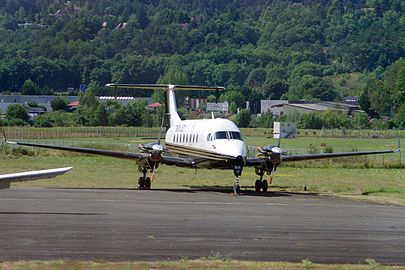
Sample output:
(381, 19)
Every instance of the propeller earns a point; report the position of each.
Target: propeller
(154, 148)
(272, 151)
(272, 154)
(155, 151)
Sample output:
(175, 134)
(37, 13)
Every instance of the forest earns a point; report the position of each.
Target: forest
(258, 49)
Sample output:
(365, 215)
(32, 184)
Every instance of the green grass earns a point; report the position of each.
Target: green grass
(104, 172)
(361, 177)
(188, 264)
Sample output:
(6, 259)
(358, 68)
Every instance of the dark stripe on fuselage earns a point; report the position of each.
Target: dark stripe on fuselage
(191, 151)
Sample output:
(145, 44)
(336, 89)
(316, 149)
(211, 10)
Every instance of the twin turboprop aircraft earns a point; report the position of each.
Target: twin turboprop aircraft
(208, 143)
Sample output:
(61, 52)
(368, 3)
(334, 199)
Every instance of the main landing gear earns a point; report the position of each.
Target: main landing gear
(143, 181)
(261, 184)
(237, 171)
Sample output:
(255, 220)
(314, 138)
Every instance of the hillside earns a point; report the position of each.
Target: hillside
(289, 49)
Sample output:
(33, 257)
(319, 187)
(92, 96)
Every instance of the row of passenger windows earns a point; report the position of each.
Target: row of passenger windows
(185, 138)
(220, 135)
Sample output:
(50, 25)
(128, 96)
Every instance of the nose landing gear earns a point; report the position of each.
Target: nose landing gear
(144, 182)
(237, 171)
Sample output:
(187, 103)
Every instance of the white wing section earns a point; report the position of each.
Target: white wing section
(6, 179)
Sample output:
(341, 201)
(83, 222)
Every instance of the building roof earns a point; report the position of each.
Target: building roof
(154, 105)
(74, 103)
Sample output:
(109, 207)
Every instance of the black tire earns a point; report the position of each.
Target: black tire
(141, 183)
(258, 185)
(148, 183)
(265, 186)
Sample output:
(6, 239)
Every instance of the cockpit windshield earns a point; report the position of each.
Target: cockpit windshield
(236, 135)
(222, 135)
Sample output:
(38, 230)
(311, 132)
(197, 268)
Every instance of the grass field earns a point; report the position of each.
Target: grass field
(337, 177)
(213, 264)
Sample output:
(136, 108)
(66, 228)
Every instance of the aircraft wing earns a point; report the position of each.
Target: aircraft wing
(167, 160)
(287, 158)
(6, 179)
(109, 153)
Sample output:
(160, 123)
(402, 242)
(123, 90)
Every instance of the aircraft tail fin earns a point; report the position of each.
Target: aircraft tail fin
(170, 97)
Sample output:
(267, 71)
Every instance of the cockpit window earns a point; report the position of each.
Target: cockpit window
(236, 135)
(220, 135)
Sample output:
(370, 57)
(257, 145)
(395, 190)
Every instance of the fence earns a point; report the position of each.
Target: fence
(24, 133)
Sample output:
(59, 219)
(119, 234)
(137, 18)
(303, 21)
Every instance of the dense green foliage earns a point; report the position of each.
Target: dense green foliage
(257, 49)
(274, 46)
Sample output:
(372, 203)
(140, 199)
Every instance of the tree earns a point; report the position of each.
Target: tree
(243, 118)
(310, 121)
(174, 75)
(380, 100)
(30, 88)
(17, 111)
(59, 104)
(233, 96)
(360, 121)
(86, 112)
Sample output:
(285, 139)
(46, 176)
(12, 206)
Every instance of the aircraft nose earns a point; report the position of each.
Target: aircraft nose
(232, 148)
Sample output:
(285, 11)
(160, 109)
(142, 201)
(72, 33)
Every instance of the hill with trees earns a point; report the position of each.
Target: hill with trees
(257, 49)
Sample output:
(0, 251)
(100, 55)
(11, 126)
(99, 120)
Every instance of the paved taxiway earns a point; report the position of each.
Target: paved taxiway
(39, 223)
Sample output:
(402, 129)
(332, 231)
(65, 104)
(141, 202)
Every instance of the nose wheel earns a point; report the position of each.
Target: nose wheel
(143, 181)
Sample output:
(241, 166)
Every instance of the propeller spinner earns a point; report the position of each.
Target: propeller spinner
(271, 150)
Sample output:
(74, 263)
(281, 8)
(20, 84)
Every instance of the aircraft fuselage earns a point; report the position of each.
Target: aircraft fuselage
(215, 139)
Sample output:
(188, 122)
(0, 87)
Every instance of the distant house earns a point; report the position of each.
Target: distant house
(73, 105)
(45, 101)
(274, 106)
(33, 112)
(153, 106)
(345, 108)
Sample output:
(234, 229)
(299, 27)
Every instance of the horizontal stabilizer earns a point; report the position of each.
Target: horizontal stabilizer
(165, 86)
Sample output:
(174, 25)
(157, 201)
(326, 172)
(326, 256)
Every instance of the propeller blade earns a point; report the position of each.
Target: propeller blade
(279, 140)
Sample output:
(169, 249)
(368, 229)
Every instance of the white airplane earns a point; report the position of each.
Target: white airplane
(6, 179)
(208, 143)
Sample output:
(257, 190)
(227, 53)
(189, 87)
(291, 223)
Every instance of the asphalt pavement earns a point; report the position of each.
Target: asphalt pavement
(129, 225)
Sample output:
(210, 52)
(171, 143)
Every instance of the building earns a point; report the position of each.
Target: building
(348, 109)
(217, 107)
(45, 101)
(7, 100)
(274, 106)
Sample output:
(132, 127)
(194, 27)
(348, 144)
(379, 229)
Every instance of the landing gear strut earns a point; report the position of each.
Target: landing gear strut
(236, 187)
(237, 171)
